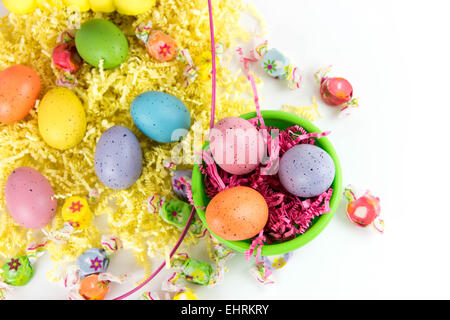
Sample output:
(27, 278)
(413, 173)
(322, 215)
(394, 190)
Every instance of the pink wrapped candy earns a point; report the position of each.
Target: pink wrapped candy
(335, 91)
(66, 57)
(364, 210)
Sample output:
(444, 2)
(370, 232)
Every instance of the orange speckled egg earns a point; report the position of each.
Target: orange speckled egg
(93, 289)
(20, 87)
(237, 213)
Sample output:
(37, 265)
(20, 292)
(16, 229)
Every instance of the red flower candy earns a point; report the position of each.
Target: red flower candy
(66, 57)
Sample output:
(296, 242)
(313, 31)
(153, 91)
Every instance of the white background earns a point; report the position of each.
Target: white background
(396, 55)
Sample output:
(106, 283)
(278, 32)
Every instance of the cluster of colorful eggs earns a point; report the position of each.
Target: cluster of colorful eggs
(128, 7)
(240, 212)
(62, 122)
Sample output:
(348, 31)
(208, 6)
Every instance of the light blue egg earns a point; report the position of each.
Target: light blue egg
(161, 116)
(92, 261)
(306, 170)
(275, 63)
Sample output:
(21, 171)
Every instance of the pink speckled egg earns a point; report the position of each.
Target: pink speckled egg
(236, 145)
(29, 198)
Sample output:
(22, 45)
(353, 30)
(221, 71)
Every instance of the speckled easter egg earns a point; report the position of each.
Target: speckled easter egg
(29, 198)
(100, 39)
(20, 87)
(20, 6)
(177, 187)
(161, 116)
(17, 271)
(336, 91)
(102, 5)
(236, 145)
(237, 213)
(134, 7)
(61, 119)
(92, 261)
(82, 5)
(118, 158)
(306, 170)
(275, 63)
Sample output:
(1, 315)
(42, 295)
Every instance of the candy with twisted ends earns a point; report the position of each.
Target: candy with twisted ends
(93, 261)
(364, 210)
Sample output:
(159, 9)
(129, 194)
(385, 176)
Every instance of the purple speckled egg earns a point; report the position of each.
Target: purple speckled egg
(29, 198)
(236, 145)
(306, 170)
(118, 158)
(180, 189)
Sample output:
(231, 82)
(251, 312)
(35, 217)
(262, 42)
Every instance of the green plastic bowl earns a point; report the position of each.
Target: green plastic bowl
(281, 120)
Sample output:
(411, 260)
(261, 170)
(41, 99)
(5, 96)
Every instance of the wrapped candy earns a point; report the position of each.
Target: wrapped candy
(76, 215)
(76, 212)
(92, 261)
(178, 186)
(164, 48)
(92, 288)
(65, 58)
(263, 270)
(192, 270)
(158, 44)
(275, 63)
(176, 212)
(18, 271)
(170, 291)
(88, 279)
(364, 210)
(336, 91)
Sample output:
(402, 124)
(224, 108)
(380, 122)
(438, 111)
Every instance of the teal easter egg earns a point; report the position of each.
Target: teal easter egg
(100, 39)
(161, 116)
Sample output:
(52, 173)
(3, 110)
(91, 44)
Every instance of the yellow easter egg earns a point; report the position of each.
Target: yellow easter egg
(20, 6)
(43, 4)
(83, 5)
(61, 119)
(76, 212)
(134, 7)
(102, 5)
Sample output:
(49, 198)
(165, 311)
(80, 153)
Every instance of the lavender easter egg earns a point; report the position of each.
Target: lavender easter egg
(236, 145)
(29, 198)
(118, 158)
(306, 170)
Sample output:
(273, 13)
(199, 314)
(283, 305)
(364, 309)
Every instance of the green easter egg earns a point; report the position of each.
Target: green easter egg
(17, 271)
(101, 39)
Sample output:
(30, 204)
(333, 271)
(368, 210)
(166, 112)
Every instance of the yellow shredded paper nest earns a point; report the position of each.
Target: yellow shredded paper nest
(107, 95)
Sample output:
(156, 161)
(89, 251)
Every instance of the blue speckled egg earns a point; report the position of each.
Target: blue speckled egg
(275, 63)
(161, 116)
(118, 158)
(306, 170)
(92, 261)
(179, 189)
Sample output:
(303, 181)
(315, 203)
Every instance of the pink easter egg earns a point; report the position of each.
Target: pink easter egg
(29, 198)
(236, 145)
